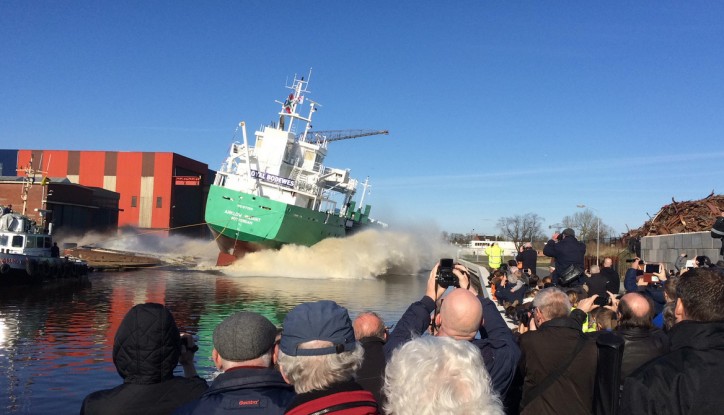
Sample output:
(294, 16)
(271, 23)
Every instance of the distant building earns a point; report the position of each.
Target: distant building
(158, 190)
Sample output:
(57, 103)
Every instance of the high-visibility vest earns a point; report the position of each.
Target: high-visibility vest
(495, 256)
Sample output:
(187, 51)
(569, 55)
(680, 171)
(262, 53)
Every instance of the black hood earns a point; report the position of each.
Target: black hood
(147, 345)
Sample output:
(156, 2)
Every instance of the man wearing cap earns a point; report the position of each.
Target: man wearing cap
(463, 315)
(567, 251)
(319, 355)
(244, 345)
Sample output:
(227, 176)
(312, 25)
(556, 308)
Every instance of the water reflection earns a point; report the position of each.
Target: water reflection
(56, 342)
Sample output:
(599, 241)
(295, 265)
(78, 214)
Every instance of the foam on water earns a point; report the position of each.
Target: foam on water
(366, 254)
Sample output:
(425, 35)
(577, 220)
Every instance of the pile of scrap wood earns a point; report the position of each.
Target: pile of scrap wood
(680, 217)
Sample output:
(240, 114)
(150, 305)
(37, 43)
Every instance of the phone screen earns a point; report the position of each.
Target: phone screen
(651, 268)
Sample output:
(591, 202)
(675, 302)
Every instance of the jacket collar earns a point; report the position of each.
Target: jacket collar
(566, 322)
(247, 377)
(699, 335)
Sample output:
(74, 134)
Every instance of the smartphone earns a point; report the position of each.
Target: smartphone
(652, 268)
(602, 300)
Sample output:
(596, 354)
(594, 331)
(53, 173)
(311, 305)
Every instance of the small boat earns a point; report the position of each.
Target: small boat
(27, 251)
(279, 191)
(28, 254)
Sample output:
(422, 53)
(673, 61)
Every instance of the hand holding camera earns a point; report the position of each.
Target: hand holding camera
(186, 358)
(445, 276)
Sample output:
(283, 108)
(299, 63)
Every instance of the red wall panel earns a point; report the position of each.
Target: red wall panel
(128, 184)
(91, 168)
(163, 167)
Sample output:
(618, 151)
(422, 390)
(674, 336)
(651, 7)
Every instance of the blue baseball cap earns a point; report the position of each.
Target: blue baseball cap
(321, 320)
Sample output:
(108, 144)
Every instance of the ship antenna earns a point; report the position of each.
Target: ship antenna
(246, 149)
(365, 186)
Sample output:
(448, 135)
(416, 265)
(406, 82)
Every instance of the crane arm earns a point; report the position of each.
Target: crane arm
(317, 137)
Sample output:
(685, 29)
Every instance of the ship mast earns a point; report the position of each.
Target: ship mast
(365, 186)
(289, 106)
(28, 182)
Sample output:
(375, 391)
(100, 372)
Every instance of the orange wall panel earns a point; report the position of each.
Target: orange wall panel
(54, 162)
(92, 164)
(162, 171)
(128, 184)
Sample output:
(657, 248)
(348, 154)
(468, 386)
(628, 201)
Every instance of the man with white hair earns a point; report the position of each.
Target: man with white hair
(462, 315)
(558, 363)
(319, 355)
(438, 375)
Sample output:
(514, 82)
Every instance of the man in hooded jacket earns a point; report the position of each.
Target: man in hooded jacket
(146, 349)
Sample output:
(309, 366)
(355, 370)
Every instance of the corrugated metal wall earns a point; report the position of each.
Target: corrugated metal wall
(143, 179)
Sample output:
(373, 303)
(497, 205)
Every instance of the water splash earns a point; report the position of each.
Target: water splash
(364, 255)
(169, 248)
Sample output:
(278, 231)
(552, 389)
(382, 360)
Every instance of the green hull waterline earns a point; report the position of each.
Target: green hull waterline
(244, 217)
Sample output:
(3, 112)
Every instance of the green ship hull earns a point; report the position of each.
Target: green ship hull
(243, 222)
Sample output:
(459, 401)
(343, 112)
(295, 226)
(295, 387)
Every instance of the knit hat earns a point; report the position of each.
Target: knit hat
(321, 320)
(569, 232)
(244, 336)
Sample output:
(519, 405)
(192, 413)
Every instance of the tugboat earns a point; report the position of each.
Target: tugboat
(27, 251)
(279, 191)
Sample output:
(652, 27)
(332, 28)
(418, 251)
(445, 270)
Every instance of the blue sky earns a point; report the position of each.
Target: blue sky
(494, 108)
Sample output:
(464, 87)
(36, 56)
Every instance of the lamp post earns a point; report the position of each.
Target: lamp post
(598, 228)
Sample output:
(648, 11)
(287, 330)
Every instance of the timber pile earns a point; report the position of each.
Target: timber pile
(680, 217)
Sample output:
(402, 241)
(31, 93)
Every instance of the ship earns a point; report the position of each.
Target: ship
(279, 191)
(28, 254)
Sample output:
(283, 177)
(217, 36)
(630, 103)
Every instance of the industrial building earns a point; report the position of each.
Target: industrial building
(160, 191)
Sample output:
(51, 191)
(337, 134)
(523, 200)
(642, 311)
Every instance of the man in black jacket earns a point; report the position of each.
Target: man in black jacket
(370, 331)
(567, 251)
(613, 279)
(244, 346)
(529, 257)
(642, 342)
(146, 349)
(558, 345)
(687, 380)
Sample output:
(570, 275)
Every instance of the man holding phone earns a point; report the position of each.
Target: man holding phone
(630, 280)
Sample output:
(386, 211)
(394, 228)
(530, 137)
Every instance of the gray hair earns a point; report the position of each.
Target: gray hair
(308, 373)
(439, 375)
(552, 303)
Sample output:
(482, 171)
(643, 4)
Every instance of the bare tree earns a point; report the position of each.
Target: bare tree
(521, 228)
(586, 225)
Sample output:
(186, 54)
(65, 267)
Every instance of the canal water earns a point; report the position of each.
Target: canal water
(56, 342)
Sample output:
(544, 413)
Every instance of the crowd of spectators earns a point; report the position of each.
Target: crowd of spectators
(580, 349)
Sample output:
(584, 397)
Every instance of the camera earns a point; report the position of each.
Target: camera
(445, 276)
(187, 341)
(523, 316)
(602, 300)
